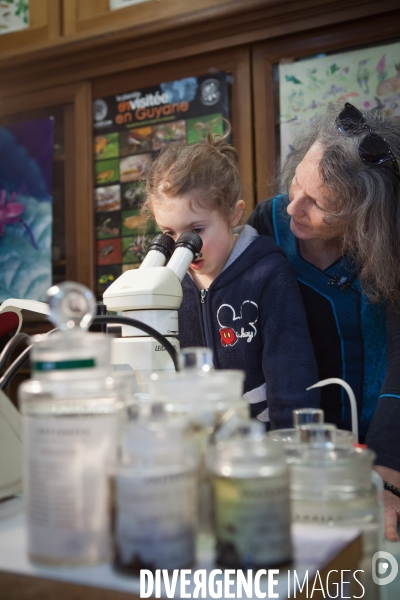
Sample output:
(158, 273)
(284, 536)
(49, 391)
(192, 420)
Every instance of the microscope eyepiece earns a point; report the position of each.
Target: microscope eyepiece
(163, 243)
(187, 248)
(190, 240)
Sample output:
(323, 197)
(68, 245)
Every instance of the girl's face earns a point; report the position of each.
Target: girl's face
(176, 215)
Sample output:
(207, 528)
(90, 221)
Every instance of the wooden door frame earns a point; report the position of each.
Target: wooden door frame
(337, 38)
(79, 218)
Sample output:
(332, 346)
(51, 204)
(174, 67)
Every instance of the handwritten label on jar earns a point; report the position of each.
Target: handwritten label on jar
(66, 489)
(252, 521)
(155, 520)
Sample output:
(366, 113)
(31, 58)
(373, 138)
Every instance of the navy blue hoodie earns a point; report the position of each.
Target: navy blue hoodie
(252, 316)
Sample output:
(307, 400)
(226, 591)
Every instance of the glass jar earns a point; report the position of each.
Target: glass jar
(155, 496)
(251, 499)
(205, 399)
(70, 430)
(332, 485)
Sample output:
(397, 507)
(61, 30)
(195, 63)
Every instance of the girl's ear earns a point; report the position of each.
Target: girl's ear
(237, 213)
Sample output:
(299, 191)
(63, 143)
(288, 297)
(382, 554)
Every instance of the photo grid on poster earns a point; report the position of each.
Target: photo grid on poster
(130, 129)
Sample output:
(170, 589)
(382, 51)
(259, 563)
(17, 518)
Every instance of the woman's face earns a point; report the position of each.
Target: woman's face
(310, 200)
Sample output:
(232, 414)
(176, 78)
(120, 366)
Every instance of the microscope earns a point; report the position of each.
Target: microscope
(151, 294)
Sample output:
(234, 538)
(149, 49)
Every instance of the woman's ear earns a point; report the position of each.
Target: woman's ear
(237, 213)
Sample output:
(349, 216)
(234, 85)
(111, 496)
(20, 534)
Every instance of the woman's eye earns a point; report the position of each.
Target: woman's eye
(197, 230)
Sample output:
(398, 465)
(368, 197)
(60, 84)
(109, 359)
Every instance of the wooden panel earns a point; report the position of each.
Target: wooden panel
(264, 130)
(237, 62)
(81, 57)
(96, 16)
(78, 169)
(83, 202)
(44, 29)
(336, 38)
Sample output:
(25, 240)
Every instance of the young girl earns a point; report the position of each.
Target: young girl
(241, 297)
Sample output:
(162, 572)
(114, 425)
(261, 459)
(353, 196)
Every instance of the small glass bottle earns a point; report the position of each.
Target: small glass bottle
(251, 499)
(70, 423)
(155, 496)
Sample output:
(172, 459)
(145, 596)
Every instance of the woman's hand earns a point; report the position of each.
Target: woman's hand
(392, 502)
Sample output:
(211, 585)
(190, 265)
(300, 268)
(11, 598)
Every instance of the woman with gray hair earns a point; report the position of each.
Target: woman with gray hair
(339, 224)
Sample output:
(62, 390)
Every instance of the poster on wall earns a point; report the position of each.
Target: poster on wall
(14, 15)
(26, 150)
(129, 131)
(368, 78)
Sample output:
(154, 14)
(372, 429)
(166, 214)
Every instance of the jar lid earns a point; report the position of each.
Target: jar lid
(156, 442)
(197, 391)
(302, 416)
(246, 443)
(71, 349)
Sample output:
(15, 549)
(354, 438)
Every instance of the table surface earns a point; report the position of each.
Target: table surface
(314, 549)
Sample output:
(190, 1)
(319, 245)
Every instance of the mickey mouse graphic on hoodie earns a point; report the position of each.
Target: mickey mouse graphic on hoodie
(252, 316)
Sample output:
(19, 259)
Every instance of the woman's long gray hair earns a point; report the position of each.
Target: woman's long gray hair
(366, 199)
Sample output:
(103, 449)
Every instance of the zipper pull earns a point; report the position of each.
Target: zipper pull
(203, 294)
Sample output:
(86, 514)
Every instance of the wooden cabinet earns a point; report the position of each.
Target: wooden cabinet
(103, 53)
(95, 16)
(44, 29)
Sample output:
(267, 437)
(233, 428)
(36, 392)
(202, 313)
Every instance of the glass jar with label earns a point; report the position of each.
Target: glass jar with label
(155, 496)
(70, 425)
(251, 499)
(70, 433)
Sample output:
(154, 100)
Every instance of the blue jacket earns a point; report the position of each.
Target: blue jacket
(253, 318)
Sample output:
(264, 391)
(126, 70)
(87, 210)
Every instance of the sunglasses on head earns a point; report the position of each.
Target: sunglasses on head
(374, 149)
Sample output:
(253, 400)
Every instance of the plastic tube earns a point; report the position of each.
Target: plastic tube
(352, 398)
(23, 357)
